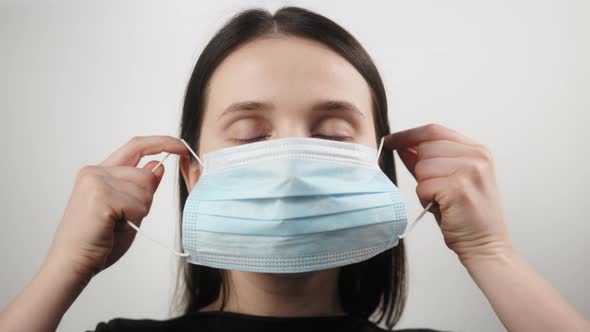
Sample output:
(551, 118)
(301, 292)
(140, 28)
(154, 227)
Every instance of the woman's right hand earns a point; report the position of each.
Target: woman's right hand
(93, 233)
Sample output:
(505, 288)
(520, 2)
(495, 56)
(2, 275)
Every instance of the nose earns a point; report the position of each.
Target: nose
(291, 127)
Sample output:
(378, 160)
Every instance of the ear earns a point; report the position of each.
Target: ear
(191, 171)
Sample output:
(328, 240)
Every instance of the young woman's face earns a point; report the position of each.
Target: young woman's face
(285, 87)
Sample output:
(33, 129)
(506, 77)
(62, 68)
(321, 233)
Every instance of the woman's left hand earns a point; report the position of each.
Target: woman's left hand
(457, 174)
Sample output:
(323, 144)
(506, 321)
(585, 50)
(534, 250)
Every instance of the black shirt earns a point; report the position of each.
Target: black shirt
(229, 321)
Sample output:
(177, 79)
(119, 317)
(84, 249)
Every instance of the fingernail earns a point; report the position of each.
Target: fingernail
(160, 171)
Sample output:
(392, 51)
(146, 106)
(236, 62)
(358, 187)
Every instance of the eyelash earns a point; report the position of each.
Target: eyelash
(250, 140)
(334, 138)
(263, 137)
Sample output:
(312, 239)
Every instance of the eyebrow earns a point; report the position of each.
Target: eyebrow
(328, 105)
(246, 106)
(334, 105)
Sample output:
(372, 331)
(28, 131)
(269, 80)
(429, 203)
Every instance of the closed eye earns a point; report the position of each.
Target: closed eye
(334, 138)
(250, 140)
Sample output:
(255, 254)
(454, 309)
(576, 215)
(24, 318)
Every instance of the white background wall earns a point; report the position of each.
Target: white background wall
(79, 78)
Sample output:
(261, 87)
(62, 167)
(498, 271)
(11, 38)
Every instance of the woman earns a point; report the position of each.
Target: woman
(266, 77)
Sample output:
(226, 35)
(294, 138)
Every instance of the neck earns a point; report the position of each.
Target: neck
(281, 295)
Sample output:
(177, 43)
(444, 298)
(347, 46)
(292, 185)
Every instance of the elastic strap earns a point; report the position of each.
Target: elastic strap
(192, 152)
(142, 233)
(380, 148)
(413, 224)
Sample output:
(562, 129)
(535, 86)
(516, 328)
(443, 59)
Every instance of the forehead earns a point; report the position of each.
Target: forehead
(285, 70)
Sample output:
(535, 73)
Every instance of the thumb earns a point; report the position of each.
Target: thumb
(159, 172)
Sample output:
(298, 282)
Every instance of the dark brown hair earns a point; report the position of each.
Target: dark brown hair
(373, 289)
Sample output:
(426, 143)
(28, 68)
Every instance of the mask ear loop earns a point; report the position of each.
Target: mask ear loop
(192, 152)
(426, 209)
(142, 233)
(415, 222)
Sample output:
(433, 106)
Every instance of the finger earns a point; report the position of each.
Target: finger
(131, 153)
(140, 176)
(438, 167)
(150, 167)
(409, 157)
(434, 209)
(134, 192)
(433, 190)
(449, 149)
(158, 173)
(127, 207)
(413, 137)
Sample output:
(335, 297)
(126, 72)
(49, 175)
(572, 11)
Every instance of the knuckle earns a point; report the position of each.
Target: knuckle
(464, 193)
(88, 176)
(99, 194)
(86, 171)
(484, 153)
(479, 169)
(434, 129)
(144, 210)
(135, 140)
(148, 200)
(459, 185)
(108, 213)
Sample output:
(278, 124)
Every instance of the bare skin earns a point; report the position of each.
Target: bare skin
(291, 79)
(294, 91)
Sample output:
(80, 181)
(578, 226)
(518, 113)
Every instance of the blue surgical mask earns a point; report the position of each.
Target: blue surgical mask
(291, 205)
